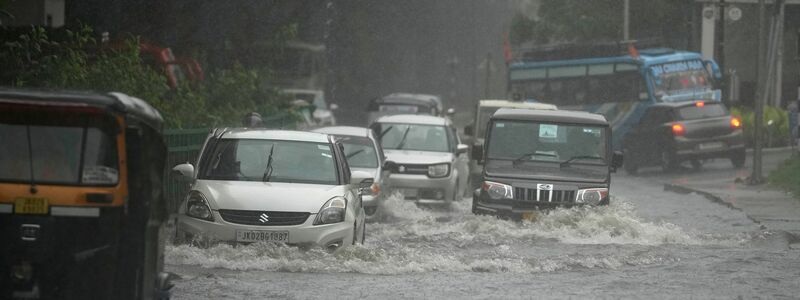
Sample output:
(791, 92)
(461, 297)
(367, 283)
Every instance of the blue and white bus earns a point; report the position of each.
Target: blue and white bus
(620, 87)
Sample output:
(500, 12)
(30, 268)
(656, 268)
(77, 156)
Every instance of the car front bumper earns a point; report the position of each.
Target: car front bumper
(306, 234)
(423, 188)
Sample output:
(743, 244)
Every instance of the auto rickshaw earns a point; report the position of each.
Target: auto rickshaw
(81, 205)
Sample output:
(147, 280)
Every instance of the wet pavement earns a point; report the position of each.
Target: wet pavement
(648, 243)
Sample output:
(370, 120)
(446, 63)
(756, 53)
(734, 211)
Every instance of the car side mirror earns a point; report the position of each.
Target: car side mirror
(388, 165)
(468, 130)
(333, 106)
(362, 179)
(616, 161)
(461, 149)
(450, 111)
(477, 153)
(184, 172)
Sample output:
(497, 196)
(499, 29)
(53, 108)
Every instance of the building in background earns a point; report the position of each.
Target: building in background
(48, 13)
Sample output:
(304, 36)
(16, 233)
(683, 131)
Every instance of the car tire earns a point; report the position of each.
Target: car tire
(738, 159)
(669, 162)
(630, 164)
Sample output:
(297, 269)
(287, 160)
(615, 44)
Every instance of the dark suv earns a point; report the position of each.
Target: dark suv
(536, 159)
(671, 133)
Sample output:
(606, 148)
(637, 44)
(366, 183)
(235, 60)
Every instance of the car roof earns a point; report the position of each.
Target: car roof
(413, 119)
(513, 104)
(410, 99)
(683, 103)
(556, 116)
(344, 130)
(122, 103)
(270, 134)
(302, 91)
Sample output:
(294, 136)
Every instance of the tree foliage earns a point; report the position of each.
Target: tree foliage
(597, 20)
(77, 61)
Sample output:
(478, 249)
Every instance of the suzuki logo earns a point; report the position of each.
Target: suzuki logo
(545, 187)
(264, 218)
(402, 169)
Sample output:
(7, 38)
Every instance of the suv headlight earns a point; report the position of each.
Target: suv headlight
(498, 191)
(591, 196)
(332, 212)
(197, 207)
(440, 170)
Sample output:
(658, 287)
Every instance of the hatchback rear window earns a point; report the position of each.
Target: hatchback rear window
(709, 110)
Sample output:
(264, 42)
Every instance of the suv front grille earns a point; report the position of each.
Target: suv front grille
(263, 218)
(537, 195)
(410, 169)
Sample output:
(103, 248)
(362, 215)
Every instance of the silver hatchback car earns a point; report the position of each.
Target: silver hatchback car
(363, 153)
(430, 163)
(273, 186)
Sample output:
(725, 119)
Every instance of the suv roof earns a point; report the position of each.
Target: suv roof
(512, 104)
(557, 116)
(269, 134)
(413, 119)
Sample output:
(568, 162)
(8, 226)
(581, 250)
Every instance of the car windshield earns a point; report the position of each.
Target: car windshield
(533, 141)
(247, 160)
(360, 152)
(413, 137)
(681, 76)
(55, 148)
(707, 110)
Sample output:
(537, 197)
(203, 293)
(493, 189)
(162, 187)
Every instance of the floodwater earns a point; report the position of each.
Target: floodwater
(647, 243)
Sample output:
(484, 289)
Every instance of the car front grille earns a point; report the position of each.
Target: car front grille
(540, 195)
(410, 169)
(263, 218)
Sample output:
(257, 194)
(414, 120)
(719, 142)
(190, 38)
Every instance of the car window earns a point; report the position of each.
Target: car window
(413, 137)
(248, 160)
(707, 110)
(359, 152)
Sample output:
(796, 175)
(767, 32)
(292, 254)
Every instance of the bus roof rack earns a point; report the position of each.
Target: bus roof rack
(593, 49)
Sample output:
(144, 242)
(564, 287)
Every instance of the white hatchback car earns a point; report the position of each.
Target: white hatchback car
(275, 186)
(363, 153)
(429, 162)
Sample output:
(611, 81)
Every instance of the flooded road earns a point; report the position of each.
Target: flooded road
(647, 242)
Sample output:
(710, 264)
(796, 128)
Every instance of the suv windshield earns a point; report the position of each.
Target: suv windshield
(58, 148)
(247, 160)
(525, 140)
(413, 137)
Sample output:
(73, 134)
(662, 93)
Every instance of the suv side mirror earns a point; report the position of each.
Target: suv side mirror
(616, 161)
(450, 111)
(388, 165)
(468, 130)
(477, 153)
(184, 172)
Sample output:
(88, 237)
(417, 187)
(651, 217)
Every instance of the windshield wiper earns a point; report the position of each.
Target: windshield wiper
(403, 139)
(380, 136)
(268, 170)
(566, 162)
(539, 153)
(354, 153)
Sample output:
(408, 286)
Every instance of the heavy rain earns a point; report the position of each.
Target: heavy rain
(436, 149)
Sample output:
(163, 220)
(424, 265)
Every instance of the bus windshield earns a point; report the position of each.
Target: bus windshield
(677, 77)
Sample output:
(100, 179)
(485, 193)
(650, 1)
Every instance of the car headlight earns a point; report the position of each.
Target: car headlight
(332, 212)
(498, 191)
(440, 170)
(197, 207)
(591, 196)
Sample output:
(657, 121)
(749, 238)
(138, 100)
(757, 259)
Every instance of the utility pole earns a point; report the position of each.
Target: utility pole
(626, 20)
(721, 46)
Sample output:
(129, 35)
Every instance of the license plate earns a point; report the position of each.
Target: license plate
(31, 206)
(709, 146)
(409, 192)
(262, 236)
(530, 216)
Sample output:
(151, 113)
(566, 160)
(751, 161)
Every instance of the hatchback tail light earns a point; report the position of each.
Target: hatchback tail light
(736, 123)
(678, 130)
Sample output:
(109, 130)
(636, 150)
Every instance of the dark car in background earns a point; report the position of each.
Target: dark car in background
(669, 134)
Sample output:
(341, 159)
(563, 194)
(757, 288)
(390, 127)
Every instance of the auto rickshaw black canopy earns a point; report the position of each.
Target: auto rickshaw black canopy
(130, 106)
